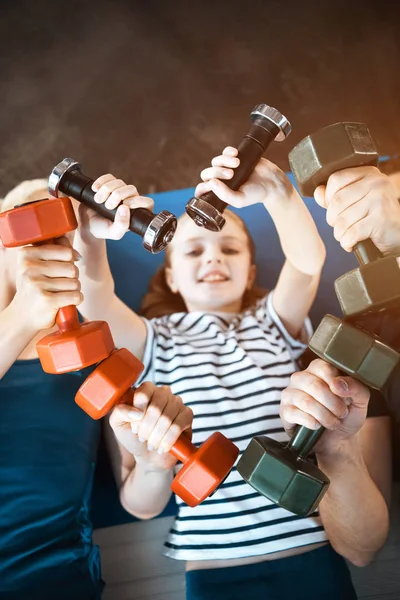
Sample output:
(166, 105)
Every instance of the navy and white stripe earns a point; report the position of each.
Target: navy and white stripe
(231, 373)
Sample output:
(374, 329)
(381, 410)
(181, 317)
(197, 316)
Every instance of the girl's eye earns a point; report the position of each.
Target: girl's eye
(194, 252)
(230, 251)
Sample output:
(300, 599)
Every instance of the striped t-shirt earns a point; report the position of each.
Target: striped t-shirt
(231, 372)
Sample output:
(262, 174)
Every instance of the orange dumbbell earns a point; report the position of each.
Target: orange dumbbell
(108, 383)
(204, 468)
(76, 345)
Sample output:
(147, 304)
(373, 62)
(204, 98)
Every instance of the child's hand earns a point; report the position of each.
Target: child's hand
(266, 184)
(321, 396)
(150, 427)
(46, 280)
(113, 193)
(362, 203)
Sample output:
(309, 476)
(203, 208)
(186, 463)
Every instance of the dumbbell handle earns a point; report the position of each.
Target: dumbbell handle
(79, 186)
(67, 318)
(251, 148)
(183, 448)
(366, 252)
(303, 440)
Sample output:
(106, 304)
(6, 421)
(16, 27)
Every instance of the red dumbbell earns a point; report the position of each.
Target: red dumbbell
(76, 345)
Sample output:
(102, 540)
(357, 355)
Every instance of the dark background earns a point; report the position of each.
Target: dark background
(152, 90)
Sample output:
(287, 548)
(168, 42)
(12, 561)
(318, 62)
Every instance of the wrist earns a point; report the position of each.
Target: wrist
(146, 467)
(20, 320)
(345, 451)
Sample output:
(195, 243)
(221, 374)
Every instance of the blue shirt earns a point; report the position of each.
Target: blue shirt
(48, 448)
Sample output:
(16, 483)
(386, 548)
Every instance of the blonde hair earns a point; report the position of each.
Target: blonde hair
(160, 300)
(26, 191)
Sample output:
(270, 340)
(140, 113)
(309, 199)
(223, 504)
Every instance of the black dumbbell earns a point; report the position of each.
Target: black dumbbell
(268, 125)
(157, 230)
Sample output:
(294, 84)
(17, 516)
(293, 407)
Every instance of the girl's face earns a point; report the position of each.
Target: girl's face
(210, 270)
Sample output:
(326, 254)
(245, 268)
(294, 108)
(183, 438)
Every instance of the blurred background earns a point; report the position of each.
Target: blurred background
(151, 90)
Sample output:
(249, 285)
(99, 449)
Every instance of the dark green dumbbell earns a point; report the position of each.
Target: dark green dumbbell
(354, 351)
(282, 473)
(375, 285)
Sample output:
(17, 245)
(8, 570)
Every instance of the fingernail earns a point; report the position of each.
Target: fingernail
(341, 384)
(226, 172)
(142, 440)
(160, 451)
(97, 198)
(348, 401)
(77, 255)
(150, 447)
(135, 427)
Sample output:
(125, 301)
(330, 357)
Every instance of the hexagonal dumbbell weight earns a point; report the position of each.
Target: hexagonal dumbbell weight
(156, 231)
(282, 472)
(204, 468)
(354, 351)
(268, 125)
(376, 283)
(108, 383)
(76, 345)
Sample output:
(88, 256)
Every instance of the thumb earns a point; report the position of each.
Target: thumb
(347, 387)
(123, 414)
(319, 196)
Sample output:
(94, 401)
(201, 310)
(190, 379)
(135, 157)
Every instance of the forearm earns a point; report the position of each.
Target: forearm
(100, 301)
(146, 492)
(353, 511)
(95, 276)
(298, 233)
(15, 335)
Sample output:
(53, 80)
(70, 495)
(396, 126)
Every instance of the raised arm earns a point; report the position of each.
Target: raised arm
(100, 300)
(298, 234)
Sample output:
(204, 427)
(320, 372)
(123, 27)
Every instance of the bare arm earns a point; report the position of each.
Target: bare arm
(100, 301)
(139, 437)
(354, 510)
(15, 334)
(301, 243)
(154, 485)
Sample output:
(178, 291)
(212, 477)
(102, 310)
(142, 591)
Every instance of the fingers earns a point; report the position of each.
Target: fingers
(216, 173)
(113, 230)
(236, 199)
(309, 400)
(319, 196)
(36, 269)
(59, 250)
(315, 400)
(351, 390)
(347, 219)
(159, 417)
(222, 165)
(345, 177)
